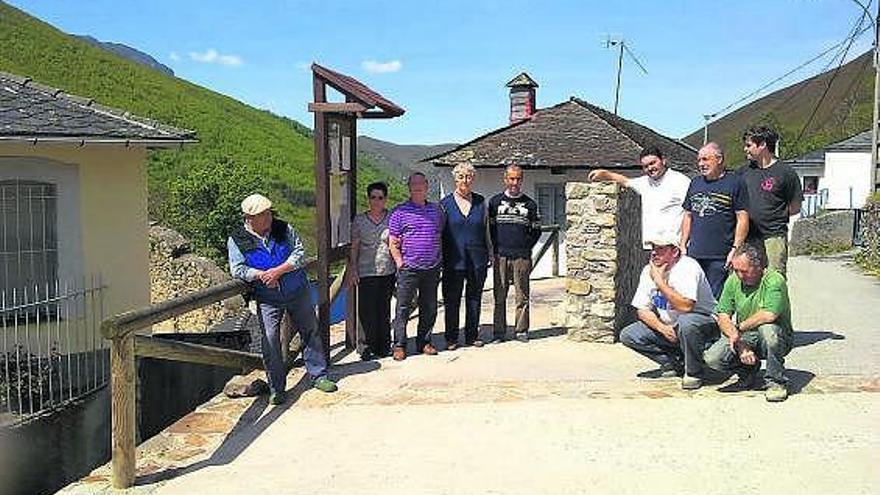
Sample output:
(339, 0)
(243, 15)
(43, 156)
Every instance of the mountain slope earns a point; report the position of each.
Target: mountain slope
(130, 53)
(846, 110)
(195, 190)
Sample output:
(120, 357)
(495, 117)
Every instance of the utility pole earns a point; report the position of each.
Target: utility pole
(874, 128)
(619, 71)
(621, 46)
(707, 118)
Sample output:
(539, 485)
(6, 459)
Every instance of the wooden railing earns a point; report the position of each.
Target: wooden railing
(552, 241)
(125, 347)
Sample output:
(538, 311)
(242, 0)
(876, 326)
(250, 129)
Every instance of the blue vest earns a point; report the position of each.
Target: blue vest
(464, 237)
(263, 257)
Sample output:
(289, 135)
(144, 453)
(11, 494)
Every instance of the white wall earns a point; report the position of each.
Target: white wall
(845, 170)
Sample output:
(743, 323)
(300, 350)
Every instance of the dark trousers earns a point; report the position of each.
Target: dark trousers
(409, 283)
(716, 273)
(453, 283)
(516, 271)
(374, 311)
(695, 332)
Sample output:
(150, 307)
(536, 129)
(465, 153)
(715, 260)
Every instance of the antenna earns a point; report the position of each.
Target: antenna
(620, 43)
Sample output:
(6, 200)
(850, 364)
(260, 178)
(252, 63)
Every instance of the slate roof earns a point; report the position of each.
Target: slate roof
(30, 111)
(811, 159)
(572, 134)
(859, 142)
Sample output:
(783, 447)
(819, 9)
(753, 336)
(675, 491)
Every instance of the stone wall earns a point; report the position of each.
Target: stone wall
(870, 234)
(604, 256)
(175, 271)
(826, 232)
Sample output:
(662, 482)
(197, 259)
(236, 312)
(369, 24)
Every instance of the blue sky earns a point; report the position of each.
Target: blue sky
(446, 62)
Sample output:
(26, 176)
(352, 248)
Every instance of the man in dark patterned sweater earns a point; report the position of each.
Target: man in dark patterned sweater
(514, 225)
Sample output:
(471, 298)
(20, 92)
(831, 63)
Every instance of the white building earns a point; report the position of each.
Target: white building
(838, 176)
(555, 145)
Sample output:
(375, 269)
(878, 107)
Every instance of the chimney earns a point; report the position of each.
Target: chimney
(522, 97)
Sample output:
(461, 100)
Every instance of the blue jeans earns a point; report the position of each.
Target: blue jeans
(409, 283)
(695, 332)
(716, 273)
(302, 316)
(768, 341)
(453, 283)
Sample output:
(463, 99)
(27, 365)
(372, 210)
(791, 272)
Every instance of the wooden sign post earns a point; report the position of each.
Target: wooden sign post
(336, 179)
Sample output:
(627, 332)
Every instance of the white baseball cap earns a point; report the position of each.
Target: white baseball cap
(255, 204)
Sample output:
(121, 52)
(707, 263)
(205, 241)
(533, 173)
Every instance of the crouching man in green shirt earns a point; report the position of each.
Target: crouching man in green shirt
(758, 297)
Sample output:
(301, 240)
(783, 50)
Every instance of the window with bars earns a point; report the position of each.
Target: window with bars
(28, 234)
(551, 203)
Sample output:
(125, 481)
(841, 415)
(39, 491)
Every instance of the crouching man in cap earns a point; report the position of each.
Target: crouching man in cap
(269, 254)
(758, 297)
(674, 305)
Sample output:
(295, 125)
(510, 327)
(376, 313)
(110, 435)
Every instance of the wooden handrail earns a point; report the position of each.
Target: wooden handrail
(123, 324)
(125, 347)
(173, 350)
(551, 241)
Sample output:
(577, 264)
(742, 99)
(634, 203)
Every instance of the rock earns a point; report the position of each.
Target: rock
(245, 386)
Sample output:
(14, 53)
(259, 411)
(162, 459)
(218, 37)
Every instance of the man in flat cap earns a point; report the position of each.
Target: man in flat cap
(268, 253)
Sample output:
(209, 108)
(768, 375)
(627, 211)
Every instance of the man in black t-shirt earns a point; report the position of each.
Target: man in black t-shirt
(775, 194)
(514, 226)
(715, 219)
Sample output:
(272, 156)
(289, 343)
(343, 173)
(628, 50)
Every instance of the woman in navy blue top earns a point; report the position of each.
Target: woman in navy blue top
(465, 256)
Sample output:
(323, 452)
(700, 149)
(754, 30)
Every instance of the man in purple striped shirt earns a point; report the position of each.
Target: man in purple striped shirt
(414, 230)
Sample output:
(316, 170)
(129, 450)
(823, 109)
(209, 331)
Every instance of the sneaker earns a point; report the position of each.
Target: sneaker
(776, 392)
(748, 378)
(325, 384)
(689, 382)
(276, 398)
(499, 339)
(366, 355)
(429, 350)
(522, 336)
(451, 345)
(671, 369)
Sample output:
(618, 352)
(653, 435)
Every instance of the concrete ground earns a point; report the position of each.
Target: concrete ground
(553, 416)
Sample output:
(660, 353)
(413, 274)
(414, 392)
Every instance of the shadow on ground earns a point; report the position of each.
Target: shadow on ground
(255, 420)
(810, 337)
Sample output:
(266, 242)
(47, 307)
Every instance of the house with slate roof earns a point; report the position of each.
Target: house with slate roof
(73, 192)
(838, 176)
(555, 145)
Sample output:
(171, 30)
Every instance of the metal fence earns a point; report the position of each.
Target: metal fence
(52, 347)
(813, 203)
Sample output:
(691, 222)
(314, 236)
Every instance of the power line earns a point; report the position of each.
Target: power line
(830, 81)
(849, 40)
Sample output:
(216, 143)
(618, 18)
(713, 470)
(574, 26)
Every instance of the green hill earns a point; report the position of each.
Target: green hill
(195, 190)
(846, 110)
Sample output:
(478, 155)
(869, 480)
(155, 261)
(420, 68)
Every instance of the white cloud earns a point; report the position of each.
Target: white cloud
(375, 67)
(174, 57)
(211, 56)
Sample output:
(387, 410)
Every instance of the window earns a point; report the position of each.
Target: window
(28, 234)
(551, 203)
(811, 184)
